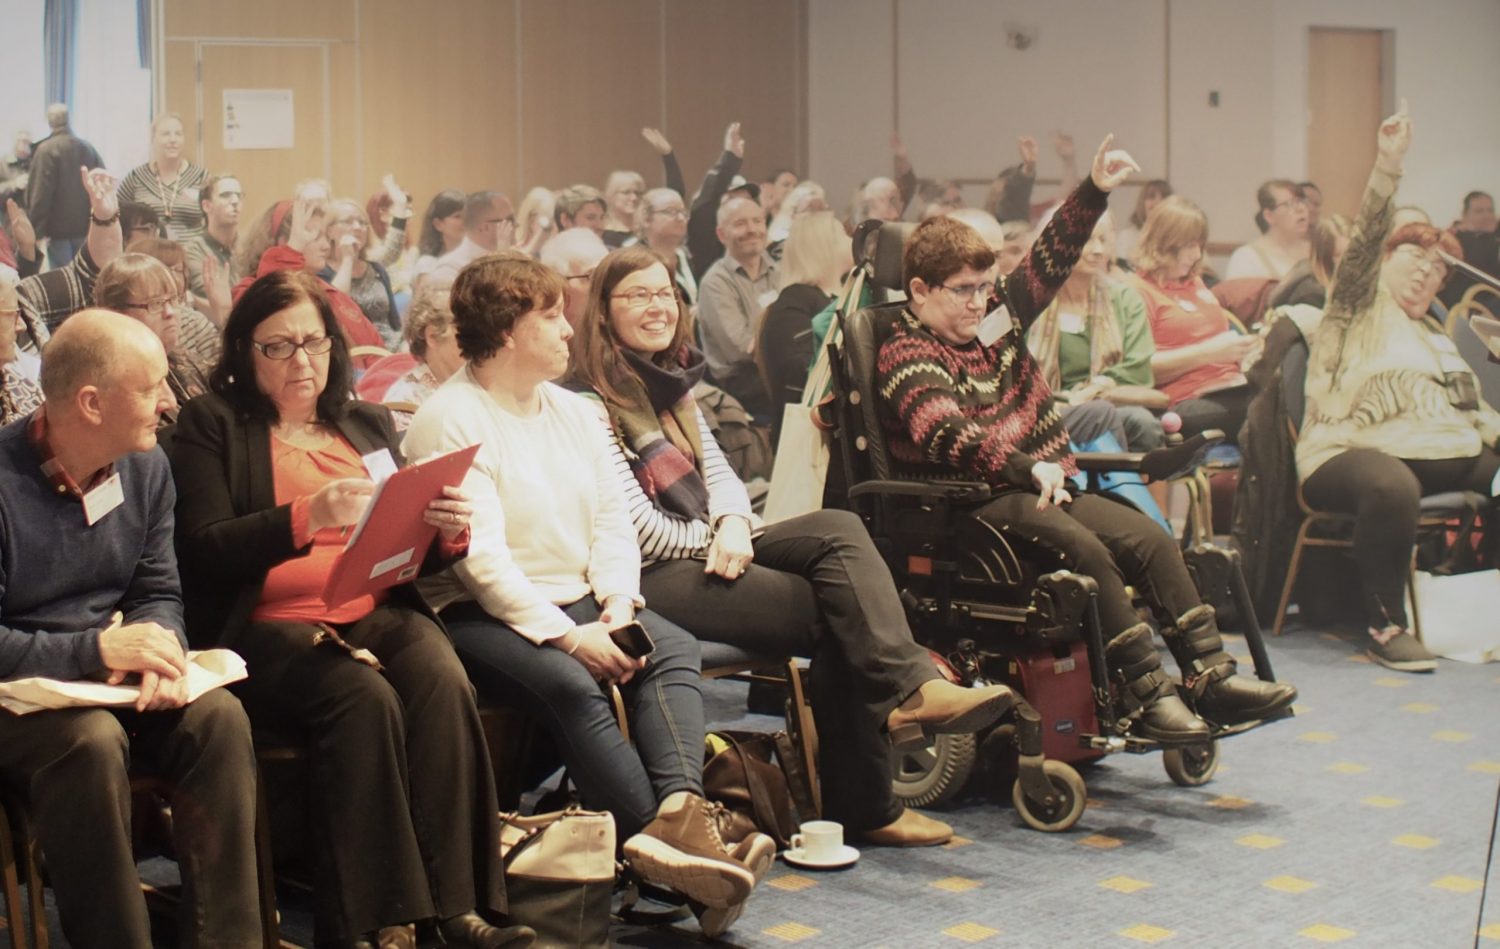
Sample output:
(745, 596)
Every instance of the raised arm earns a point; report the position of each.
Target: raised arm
(703, 218)
(394, 242)
(1357, 277)
(105, 241)
(671, 169)
(1035, 282)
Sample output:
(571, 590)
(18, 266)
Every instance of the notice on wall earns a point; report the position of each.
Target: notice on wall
(258, 118)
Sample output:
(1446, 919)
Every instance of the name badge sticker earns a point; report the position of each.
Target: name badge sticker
(103, 499)
(995, 324)
(379, 464)
(1071, 321)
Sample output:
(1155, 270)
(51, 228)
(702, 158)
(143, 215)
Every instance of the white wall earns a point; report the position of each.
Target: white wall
(23, 105)
(963, 95)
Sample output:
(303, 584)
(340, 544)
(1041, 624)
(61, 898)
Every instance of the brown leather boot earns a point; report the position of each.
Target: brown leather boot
(911, 829)
(1149, 696)
(939, 707)
(682, 849)
(1220, 695)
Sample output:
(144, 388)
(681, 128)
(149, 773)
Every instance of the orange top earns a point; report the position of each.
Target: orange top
(294, 588)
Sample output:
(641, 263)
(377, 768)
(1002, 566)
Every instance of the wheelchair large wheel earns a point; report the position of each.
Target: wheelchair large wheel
(1072, 797)
(935, 773)
(1190, 766)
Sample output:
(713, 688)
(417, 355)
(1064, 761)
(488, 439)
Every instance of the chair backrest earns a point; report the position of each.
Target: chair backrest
(861, 437)
(1294, 383)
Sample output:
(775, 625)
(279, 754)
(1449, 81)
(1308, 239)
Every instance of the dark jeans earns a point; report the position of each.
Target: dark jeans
(1109, 541)
(817, 588)
(1224, 410)
(404, 818)
(1384, 494)
(1133, 426)
(71, 766)
(62, 250)
(664, 701)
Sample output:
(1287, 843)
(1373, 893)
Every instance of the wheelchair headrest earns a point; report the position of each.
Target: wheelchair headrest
(865, 331)
(880, 245)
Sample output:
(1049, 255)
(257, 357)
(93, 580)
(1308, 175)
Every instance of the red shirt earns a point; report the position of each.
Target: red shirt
(1182, 314)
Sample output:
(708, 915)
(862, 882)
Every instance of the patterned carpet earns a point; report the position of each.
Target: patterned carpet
(1367, 820)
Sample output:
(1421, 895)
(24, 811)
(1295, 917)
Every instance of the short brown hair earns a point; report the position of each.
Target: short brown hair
(114, 283)
(940, 247)
(425, 314)
(492, 293)
(596, 351)
(1173, 224)
(1426, 236)
(211, 184)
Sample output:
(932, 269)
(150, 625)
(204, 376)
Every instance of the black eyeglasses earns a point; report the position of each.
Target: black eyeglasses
(284, 348)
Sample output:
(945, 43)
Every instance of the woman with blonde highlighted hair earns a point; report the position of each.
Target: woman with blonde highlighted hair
(142, 288)
(168, 183)
(814, 260)
(1198, 356)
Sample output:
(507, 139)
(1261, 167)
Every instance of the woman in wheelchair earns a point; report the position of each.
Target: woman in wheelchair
(553, 571)
(809, 586)
(962, 397)
(1392, 410)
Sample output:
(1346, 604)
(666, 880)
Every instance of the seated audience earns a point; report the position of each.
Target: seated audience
(1283, 221)
(442, 232)
(351, 269)
(48, 298)
(1478, 215)
(270, 479)
(805, 197)
(1199, 359)
(810, 585)
(1393, 411)
(389, 211)
(573, 255)
(489, 225)
(622, 195)
(431, 341)
(1313, 195)
(169, 184)
(581, 206)
(1308, 282)
(814, 261)
(954, 407)
(1093, 343)
(1480, 243)
(1128, 238)
(91, 591)
(140, 287)
(553, 568)
(774, 189)
(139, 221)
(723, 179)
(19, 393)
(661, 224)
(220, 198)
(732, 297)
(290, 236)
(199, 334)
(534, 219)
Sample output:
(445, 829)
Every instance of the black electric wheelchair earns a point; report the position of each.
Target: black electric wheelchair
(987, 601)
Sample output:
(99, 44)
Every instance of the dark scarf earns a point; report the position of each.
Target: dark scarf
(658, 422)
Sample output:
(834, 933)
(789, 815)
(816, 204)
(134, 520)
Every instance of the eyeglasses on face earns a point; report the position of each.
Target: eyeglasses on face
(640, 298)
(284, 348)
(966, 293)
(158, 306)
(676, 214)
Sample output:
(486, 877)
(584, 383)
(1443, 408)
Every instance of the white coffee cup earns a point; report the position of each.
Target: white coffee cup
(819, 840)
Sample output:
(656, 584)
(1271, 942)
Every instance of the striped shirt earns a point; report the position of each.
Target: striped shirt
(198, 335)
(176, 203)
(664, 536)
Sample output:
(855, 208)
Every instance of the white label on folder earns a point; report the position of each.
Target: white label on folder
(391, 563)
(379, 464)
(109, 495)
(995, 325)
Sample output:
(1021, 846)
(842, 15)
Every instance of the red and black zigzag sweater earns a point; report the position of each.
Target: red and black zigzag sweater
(985, 412)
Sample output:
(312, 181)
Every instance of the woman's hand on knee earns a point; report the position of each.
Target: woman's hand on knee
(1051, 483)
(731, 551)
(590, 644)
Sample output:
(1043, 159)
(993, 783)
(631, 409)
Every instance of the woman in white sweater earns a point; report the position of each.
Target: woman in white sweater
(553, 569)
(812, 585)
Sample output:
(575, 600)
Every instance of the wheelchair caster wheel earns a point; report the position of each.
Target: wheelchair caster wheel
(934, 773)
(1062, 814)
(1191, 765)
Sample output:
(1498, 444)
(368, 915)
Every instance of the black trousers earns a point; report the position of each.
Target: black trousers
(71, 765)
(1384, 493)
(1109, 541)
(404, 819)
(817, 588)
(1224, 409)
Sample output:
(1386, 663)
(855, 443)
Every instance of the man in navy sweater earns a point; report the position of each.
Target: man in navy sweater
(89, 590)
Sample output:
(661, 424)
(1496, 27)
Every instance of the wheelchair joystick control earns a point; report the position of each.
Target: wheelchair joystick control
(1171, 423)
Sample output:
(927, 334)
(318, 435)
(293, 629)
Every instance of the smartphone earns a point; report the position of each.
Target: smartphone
(633, 640)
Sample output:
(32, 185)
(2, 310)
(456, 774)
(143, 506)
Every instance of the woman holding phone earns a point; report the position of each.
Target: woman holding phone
(539, 608)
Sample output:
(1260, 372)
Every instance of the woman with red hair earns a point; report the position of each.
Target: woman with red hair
(1392, 410)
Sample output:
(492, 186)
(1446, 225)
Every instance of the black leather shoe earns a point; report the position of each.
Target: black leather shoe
(1236, 699)
(471, 930)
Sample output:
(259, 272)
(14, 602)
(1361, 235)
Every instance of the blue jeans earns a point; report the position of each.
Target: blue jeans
(664, 702)
(62, 250)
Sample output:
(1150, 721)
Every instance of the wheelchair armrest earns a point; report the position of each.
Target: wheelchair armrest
(1158, 464)
(1109, 460)
(947, 490)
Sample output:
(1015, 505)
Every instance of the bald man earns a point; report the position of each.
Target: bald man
(732, 299)
(89, 590)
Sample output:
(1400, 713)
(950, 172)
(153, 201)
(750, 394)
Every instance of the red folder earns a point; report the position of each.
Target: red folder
(391, 540)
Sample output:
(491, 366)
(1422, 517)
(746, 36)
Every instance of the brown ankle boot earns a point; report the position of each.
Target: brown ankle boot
(1150, 697)
(911, 829)
(939, 707)
(682, 849)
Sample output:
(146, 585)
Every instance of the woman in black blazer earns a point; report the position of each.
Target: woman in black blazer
(271, 473)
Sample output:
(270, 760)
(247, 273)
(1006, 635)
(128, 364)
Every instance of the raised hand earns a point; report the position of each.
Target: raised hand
(400, 200)
(733, 140)
(306, 213)
(658, 141)
(21, 229)
(100, 186)
(1112, 166)
(1062, 142)
(1393, 139)
(216, 289)
(1029, 151)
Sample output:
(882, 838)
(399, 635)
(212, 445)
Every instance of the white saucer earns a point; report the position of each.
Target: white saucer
(844, 857)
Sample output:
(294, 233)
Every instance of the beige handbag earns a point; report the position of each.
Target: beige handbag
(560, 874)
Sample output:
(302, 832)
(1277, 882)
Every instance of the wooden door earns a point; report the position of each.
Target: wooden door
(302, 68)
(1345, 103)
